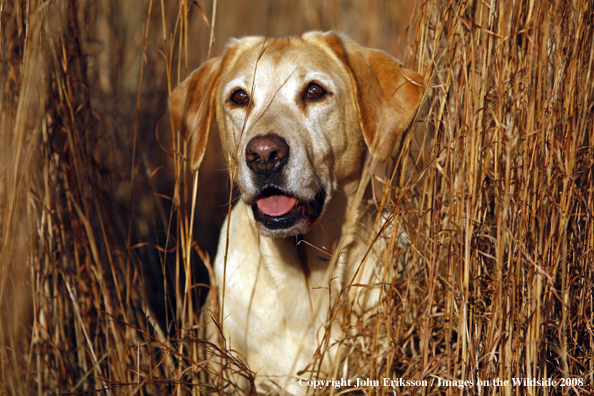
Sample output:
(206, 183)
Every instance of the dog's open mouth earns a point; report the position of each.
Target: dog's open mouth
(277, 210)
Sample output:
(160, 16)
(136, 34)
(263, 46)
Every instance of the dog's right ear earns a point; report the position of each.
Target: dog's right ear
(192, 106)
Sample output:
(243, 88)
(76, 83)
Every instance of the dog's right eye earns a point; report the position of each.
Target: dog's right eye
(240, 98)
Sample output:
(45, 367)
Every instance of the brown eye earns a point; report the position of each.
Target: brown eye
(240, 98)
(314, 91)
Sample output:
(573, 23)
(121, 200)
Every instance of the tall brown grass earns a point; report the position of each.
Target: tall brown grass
(101, 275)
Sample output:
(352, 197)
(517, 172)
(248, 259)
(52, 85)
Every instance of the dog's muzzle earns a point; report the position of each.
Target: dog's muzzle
(277, 211)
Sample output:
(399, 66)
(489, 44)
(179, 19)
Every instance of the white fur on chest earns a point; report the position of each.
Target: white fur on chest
(269, 307)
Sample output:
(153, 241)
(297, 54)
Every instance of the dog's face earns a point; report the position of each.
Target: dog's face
(294, 116)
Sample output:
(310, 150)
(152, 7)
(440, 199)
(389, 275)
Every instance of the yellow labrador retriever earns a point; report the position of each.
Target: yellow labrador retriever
(296, 116)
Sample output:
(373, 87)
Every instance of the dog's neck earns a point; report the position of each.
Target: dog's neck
(295, 279)
(320, 256)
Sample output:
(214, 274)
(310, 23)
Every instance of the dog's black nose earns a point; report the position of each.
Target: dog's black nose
(267, 154)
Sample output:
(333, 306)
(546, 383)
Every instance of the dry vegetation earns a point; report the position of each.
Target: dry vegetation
(100, 286)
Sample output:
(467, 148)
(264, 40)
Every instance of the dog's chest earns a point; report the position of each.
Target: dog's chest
(269, 301)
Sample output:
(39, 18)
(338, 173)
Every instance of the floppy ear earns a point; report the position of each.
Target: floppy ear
(192, 106)
(386, 94)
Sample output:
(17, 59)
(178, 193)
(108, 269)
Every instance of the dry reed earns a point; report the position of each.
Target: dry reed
(100, 274)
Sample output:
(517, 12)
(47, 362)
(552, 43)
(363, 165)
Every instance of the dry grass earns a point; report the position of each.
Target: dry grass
(99, 280)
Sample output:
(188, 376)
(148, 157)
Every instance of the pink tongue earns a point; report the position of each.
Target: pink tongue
(276, 205)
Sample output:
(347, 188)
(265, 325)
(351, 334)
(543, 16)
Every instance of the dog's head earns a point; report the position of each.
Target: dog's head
(294, 116)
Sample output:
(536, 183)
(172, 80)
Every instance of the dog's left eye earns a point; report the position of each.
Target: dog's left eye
(314, 91)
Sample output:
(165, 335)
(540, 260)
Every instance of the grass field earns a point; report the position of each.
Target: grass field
(103, 272)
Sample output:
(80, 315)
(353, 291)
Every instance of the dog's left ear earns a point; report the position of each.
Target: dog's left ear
(192, 106)
(387, 95)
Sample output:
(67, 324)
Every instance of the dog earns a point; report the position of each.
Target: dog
(298, 117)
